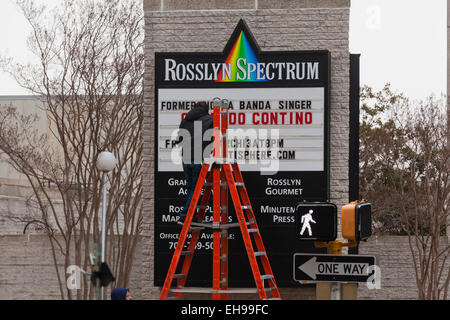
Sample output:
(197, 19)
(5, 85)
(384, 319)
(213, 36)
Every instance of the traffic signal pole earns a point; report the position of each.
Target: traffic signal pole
(335, 290)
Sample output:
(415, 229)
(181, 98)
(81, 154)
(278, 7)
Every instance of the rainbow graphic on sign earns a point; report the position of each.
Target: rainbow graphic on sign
(241, 50)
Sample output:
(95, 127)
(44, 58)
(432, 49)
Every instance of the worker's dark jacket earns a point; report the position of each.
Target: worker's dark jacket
(191, 135)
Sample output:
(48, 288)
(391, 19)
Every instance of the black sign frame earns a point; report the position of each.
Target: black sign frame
(319, 182)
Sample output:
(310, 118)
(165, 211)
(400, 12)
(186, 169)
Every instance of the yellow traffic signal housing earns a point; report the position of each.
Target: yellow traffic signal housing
(356, 220)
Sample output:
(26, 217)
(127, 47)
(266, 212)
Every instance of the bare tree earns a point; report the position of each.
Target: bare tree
(89, 79)
(405, 173)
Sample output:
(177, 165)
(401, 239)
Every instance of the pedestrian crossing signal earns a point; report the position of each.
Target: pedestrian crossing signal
(356, 220)
(316, 221)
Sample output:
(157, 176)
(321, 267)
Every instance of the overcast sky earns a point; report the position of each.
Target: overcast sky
(400, 41)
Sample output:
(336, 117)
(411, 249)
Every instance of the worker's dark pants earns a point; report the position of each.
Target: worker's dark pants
(191, 172)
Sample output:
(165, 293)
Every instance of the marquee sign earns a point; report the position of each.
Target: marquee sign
(279, 134)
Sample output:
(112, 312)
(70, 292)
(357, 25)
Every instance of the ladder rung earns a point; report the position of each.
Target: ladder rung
(221, 226)
(230, 177)
(234, 225)
(222, 184)
(192, 290)
(242, 290)
(195, 229)
(173, 298)
(202, 224)
(223, 160)
(210, 290)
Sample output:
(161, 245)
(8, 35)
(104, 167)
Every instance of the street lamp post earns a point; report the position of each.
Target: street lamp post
(105, 162)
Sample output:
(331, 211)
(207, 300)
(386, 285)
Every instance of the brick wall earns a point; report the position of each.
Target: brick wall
(27, 270)
(200, 25)
(393, 256)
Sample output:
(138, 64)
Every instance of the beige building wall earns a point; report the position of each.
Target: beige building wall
(27, 270)
(205, 26)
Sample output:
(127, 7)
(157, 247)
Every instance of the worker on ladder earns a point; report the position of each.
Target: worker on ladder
(194, 132)
(221, 178)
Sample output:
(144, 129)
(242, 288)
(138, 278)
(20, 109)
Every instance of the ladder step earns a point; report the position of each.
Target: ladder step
(195, 229)
(202, 224)
(224, 177)
(229, 225)
(221, 226)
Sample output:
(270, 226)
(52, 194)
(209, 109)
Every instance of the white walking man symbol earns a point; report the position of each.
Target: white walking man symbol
(306, 219)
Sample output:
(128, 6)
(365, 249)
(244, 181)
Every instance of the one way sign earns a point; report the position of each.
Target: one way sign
(333, 268)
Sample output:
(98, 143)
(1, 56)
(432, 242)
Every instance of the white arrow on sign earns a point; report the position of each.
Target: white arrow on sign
(312, 268)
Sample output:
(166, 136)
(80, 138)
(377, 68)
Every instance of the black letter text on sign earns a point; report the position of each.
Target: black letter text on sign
(316, 221)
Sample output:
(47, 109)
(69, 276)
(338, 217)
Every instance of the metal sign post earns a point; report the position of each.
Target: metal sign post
(332, 268)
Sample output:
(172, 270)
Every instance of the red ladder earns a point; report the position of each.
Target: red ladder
(222, 176)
